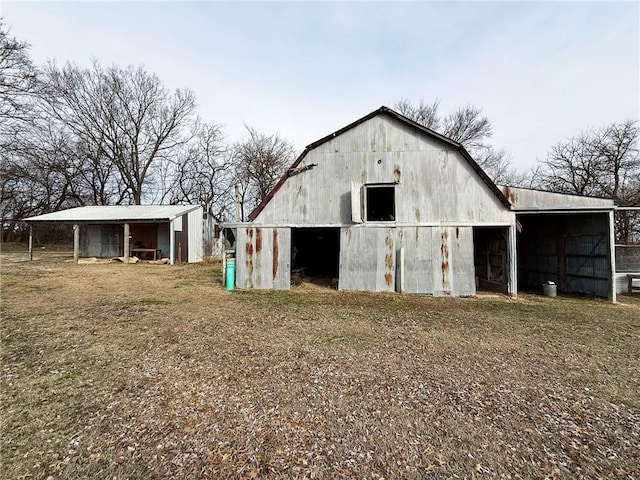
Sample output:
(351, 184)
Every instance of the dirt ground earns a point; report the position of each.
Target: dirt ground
(152, 371)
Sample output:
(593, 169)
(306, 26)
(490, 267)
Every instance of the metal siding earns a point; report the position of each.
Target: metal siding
(367, 259)
(463, 279)
(454, 271)
(164, 243)
(527, 199)
(263, 258)
(434, 182)
(418, 259)
(196, 233)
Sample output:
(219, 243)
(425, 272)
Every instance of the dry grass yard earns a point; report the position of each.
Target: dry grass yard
(151, 371)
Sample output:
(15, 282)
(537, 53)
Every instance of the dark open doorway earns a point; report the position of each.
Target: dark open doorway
(491, 258)
(315, 255)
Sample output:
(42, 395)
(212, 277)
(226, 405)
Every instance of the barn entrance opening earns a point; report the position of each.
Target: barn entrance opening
(491, 259)
(315, 256)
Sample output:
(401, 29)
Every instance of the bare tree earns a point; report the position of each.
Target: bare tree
(18, 78)
(425, 114)
(37, 176)
(123, 115)
(260, 160)
(203, 175)
(602, 162)
(466, 125)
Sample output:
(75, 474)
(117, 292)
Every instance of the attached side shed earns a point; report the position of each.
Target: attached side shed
(174, 231)
(567, 239)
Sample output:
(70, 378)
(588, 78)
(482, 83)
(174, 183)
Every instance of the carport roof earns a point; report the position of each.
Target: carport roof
(116, 213)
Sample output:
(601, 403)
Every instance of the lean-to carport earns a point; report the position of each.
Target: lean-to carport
(173, 231)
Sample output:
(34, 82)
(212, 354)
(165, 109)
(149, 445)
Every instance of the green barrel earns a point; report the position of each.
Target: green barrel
(231, 274)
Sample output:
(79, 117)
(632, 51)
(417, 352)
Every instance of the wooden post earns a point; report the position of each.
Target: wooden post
(31, 241)
(126, 243)
(238, 211)
(76, 242)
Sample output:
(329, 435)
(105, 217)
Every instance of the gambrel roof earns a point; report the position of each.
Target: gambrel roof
(414, 125)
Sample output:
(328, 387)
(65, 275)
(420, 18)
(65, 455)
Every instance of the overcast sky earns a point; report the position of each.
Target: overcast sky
(540, 71)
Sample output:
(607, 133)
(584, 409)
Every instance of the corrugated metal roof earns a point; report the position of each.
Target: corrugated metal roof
(115, 213)
(525, 199)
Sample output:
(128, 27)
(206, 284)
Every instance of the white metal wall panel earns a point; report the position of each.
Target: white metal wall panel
(418, 260)
(367, 259)
(196, 235)
(263, 258)
(438, 260)
(454, 271)
(435, 183)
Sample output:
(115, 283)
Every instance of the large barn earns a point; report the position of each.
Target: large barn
(385, 204)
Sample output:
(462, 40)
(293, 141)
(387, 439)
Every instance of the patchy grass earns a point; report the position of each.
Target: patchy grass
(152, 371)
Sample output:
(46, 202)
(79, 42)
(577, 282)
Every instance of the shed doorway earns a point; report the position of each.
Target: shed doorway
(491, 258)
(571, 250)
(315, 256)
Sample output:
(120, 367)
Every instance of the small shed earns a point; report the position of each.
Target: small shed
(152, 231)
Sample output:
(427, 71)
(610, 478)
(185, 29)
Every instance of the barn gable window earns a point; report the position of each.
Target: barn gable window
(380, 203)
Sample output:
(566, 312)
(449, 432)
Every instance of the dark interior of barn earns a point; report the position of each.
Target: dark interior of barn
(491, 258)
(315, 255)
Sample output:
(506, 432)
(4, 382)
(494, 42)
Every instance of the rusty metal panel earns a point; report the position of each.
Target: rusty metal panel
(263, 258)
(454, 271)
(463, 270)
(418, 260)
(367, 259)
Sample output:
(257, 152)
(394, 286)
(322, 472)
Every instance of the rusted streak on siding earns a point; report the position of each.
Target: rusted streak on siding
(444, 250)
(388, 261)
(248, 248)
(457, 232)
(510, 194)
(258, 240)
(417, 212)
(274, 268)
(396, 173)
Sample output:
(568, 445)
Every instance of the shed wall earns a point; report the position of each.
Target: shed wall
(195, 225)
(100, 240)
(263, 258)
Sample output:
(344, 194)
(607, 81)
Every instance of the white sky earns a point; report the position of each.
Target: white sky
(541, 71)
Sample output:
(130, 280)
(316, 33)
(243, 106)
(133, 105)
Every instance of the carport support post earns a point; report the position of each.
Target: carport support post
(126, 243)
(612, 257)
(76, 242)
(31, 241)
